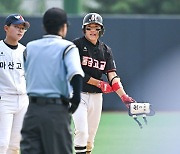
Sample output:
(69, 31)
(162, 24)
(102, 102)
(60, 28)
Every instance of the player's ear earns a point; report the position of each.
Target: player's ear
(63, 30)
(83, 29)
(6, 28)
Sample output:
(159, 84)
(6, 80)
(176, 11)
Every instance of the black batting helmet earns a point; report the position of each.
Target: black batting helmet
(93, 18)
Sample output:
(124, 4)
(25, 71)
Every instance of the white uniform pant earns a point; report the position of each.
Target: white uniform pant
(12, 111)
(86, 119)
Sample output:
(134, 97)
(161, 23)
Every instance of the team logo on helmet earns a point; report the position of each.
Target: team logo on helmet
(19, 17)
(94, 17)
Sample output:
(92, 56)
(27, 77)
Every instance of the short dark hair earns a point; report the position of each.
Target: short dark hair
(53, 19)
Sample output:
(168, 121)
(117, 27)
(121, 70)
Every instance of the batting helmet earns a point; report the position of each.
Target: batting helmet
(93, 18)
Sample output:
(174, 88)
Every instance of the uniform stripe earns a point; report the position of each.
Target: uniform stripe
(68, 49)
(80, 150)
(25, 54)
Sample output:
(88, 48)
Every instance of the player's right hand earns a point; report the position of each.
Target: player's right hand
(105, 87)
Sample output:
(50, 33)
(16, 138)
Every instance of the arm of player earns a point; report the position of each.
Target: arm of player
(118, 88)
(76, 83)
(104, 86)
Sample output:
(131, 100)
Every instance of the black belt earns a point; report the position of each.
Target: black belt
(46, 100)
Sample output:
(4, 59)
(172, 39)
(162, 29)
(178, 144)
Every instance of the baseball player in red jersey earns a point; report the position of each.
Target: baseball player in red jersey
(13, 98)
(96, 60)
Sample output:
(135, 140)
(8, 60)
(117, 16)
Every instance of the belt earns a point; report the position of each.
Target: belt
(91, 92)
(45, 100)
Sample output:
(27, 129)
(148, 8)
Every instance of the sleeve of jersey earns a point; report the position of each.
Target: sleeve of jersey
(110, 64)
(73, 64)
(78, 44)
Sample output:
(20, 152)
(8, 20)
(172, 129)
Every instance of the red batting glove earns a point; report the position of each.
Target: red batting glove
(127, 100)
(105, 87)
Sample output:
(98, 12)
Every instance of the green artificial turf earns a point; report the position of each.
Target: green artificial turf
(120, 134)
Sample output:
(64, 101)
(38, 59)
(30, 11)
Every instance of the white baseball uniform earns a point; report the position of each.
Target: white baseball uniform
(96, 60)
(87, 118)
(13, 98)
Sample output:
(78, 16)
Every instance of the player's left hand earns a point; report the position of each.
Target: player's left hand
(127, 100)
(105, 87)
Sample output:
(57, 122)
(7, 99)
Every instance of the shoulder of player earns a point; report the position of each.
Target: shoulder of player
(21, 46)
(77, 40)
(69, 46)
(33, 42)
(1, 42)
(105, 46)
(63, 42)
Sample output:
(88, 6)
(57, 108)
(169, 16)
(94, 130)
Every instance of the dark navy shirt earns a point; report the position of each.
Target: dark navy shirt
(95, 61)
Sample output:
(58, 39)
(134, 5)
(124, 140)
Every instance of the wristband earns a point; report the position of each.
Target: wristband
(116, 86)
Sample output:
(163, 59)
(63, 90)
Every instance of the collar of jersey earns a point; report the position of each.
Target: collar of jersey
(52, 36)
(91, 42)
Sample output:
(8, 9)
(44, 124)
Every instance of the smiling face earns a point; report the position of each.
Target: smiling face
(92, 32)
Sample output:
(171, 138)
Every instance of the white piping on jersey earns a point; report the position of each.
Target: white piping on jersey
(68, 49)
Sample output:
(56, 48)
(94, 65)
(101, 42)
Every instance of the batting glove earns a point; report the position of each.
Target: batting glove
(127, 100)
(105, 87)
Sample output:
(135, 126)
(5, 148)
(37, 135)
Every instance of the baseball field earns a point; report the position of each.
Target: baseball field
(120, 134)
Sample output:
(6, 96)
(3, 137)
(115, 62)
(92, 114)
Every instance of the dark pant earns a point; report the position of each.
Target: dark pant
(46, 128)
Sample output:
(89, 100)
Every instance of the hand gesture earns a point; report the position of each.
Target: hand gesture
(127, 100)
(105, 87)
